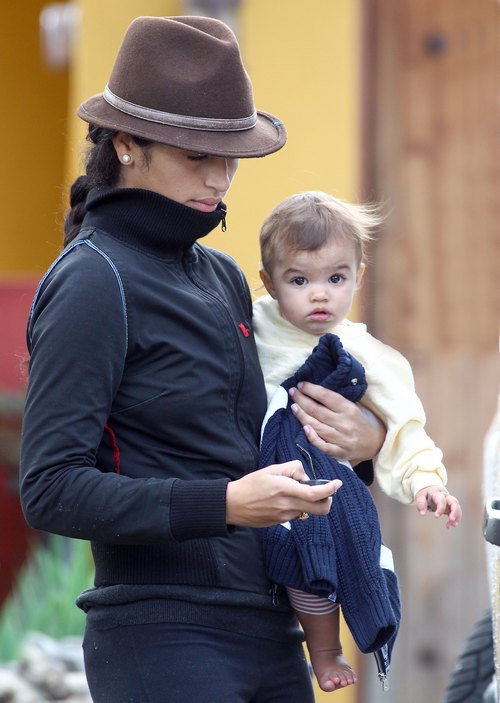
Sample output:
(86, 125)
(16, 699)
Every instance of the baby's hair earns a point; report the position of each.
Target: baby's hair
(307, 221)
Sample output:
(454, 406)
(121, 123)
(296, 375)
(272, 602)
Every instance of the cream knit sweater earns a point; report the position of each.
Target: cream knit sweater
(409, 460)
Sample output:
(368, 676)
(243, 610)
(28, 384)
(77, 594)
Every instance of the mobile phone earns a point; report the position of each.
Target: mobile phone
(315, 482)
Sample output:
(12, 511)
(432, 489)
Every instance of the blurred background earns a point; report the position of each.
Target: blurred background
(393, 101)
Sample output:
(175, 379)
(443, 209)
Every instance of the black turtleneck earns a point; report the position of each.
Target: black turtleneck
(149, 220)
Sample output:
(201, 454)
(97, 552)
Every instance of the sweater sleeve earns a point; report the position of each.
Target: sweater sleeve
(77, 336)
(409, 459)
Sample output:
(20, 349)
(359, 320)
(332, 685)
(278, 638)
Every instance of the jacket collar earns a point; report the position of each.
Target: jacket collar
(148, 221)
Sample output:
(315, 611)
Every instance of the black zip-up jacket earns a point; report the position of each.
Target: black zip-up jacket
(145, 398)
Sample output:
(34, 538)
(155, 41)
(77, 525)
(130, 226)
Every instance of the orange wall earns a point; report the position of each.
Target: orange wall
(33, 128)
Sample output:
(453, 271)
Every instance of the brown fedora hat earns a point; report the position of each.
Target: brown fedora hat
(181, 81)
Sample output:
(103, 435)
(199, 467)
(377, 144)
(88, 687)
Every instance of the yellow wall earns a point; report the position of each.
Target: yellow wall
(303, 60)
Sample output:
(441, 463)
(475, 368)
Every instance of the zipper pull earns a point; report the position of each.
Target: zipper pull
(274, 594)
(223, 210)
(306, 454)
(383, 680)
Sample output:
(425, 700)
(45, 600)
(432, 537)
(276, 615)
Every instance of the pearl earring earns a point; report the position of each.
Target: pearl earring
(126, 158)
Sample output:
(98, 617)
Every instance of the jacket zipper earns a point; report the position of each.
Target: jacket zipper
(221, 304)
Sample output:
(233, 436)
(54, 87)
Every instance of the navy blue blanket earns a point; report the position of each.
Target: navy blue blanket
(336, 556)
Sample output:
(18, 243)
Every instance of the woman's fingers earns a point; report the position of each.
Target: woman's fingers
(275, 494)
(318, 404)
(338, 427)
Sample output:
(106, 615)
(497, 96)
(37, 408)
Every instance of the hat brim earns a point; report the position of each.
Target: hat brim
(267, 136)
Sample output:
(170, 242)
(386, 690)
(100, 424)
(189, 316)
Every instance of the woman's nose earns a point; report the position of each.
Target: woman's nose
(221, 174)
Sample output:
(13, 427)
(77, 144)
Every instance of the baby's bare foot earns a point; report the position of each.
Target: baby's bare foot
(331, 669)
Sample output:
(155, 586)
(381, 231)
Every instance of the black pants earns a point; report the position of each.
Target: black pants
(177, 663)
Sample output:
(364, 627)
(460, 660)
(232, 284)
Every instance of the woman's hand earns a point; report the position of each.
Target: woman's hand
(338, 427)
(273, 495)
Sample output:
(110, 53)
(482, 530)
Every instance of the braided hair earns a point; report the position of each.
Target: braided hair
(102, 168)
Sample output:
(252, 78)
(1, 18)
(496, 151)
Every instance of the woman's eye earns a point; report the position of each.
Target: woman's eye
(300, 281)
(197, 157)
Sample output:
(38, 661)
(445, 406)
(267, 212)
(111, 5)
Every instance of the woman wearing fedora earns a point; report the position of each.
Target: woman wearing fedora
(145, 396)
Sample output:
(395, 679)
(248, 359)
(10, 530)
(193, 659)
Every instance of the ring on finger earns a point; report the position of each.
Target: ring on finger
(303, 516)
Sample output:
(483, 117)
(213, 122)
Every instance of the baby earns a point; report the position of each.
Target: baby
(312, 252)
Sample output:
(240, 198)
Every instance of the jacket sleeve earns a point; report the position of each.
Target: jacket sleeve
(77, 338)
(409, 460)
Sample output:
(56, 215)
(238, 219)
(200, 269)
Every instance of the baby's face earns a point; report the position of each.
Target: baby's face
(315, 289)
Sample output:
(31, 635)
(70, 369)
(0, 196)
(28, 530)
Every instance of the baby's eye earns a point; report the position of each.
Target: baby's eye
(336, 278)
(299, 281)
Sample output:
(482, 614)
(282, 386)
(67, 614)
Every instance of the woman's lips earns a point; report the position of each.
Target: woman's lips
(206, 205)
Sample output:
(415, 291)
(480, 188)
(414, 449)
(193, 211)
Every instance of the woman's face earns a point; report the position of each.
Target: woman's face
(190, 178)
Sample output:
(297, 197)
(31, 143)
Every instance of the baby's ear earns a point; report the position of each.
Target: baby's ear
(360, 274)
(267, 281)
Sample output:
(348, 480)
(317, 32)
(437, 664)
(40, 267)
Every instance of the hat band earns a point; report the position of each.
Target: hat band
(173, 120)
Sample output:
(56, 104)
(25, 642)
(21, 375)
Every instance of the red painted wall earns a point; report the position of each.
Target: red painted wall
(15, 302)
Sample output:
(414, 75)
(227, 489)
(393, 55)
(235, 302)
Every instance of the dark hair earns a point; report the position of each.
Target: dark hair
(102, 168)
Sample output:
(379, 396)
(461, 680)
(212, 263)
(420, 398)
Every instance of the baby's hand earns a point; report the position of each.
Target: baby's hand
(440, 502)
